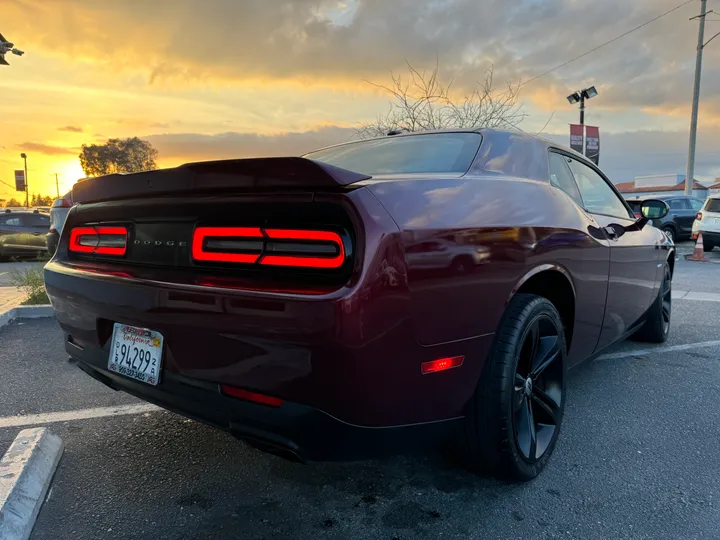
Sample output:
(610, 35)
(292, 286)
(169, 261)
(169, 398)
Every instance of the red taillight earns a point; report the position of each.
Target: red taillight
(441, 365)
(250, 396)
(202, 250)
(271, 247)
(327, 238)
(698, 216)
(63, 202)
(638, 215)
(99, 240)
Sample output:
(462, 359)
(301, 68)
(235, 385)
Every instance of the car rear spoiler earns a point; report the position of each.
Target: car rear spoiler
(226, 175)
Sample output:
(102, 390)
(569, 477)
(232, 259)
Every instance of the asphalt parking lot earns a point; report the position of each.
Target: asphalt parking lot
(637, 457)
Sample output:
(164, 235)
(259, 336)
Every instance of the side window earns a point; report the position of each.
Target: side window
(598, 196)
(35, 220)
(561, 177)
(10, 221)
(696, 204)
(678, 204)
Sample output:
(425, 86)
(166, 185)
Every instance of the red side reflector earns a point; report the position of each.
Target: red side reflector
(698, 216)
(304, 261)
(201, 233)
(442, 364)
(250, 396)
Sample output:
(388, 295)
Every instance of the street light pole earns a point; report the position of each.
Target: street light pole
(27, 191)
(690, 173)
(57, 185)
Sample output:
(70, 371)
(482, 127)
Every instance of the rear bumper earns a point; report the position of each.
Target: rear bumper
(292, 430)
(711, 237)
(51, 241)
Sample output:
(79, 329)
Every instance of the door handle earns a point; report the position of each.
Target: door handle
(611, 233)
(36, 234)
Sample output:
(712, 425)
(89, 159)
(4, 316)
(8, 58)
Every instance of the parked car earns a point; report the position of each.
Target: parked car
(679, 221)
(707, 222)
(22, 232)
(275, 298)
(58, 213)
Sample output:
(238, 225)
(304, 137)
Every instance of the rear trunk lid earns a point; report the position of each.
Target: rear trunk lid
(276, 223)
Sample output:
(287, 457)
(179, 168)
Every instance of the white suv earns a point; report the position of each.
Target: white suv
(707, 222)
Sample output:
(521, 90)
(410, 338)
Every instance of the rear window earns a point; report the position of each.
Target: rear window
(713, 205)
(431, 153)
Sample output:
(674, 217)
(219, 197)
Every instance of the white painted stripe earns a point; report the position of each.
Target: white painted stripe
(80, 414)
(659, 350)
(703, 297)
(26, 471)
(3, 273)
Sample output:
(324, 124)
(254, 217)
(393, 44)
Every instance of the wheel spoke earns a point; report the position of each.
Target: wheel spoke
(548, 351)
(529, 350)
(546, 403)
(519, 380)
(526, 434)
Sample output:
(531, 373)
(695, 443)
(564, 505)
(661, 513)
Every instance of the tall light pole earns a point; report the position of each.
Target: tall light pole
(579, 97)
(57, 185)
(690, 173)
(27, 200)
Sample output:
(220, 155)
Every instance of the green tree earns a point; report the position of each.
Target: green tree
(41, 200)
(13, 202)
(118, 155)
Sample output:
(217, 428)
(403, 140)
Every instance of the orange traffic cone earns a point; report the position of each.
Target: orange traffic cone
(699, 251)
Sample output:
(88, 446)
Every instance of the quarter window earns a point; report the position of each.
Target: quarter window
(597, 195)
(562, 178)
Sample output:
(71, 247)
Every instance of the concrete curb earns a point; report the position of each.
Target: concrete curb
(26, 312)
(26, 471)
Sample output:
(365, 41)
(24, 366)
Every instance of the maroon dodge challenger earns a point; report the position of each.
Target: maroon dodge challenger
(369, 297)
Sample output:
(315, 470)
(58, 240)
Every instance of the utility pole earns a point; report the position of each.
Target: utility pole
(57, 185)
(27, 191)
(690, 173)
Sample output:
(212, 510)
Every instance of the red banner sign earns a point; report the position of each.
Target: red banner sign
(592, 143)
(576, 137)
(20, 180)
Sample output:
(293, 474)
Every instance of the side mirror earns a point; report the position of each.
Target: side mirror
(654, 209)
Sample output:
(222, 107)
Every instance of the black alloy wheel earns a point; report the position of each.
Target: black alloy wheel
(670, 233)
(666, 294)
(538, 388)
(514, 419)
(656, 327)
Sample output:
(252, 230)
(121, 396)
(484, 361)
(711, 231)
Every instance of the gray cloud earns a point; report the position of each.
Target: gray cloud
(194, 146)
(47, 149)
(71, 129)
(313, 40)
(623, 155)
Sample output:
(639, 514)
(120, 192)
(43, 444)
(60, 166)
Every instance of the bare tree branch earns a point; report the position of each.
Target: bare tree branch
(421, 101)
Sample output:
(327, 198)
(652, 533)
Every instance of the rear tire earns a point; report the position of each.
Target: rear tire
(670, 232)
(657, 321)
(516, 412)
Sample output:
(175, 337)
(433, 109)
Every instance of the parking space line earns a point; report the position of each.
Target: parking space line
(80, 414)
(644, 352)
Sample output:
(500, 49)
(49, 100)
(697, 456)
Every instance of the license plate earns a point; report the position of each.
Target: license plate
(136, 353)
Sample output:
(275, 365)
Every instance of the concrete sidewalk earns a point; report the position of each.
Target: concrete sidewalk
(10, 297)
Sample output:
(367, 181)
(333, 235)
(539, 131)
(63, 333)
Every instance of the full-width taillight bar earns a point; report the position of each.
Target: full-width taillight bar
(303, 248)
(101, 240)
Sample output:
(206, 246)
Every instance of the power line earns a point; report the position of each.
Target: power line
(607, 43)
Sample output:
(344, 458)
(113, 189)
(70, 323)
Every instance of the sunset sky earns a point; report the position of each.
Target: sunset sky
(223, 78)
